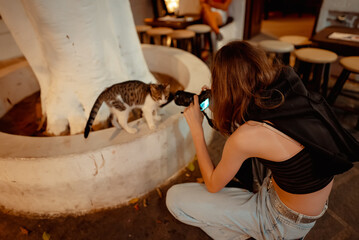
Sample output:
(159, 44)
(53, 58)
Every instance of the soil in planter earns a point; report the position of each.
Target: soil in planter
(25, 117)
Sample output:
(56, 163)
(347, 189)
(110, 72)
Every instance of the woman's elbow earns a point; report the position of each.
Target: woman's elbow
(212, 189)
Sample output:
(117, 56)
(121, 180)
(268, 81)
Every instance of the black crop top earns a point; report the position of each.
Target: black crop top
(296, 174)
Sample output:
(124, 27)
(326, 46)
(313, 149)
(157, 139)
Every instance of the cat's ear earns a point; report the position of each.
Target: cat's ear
(153, 87)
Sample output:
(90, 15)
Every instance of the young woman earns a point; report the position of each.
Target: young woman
(214, 13)
(251, 100)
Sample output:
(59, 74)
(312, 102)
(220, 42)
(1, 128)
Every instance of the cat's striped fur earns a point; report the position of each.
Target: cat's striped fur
(121, 98)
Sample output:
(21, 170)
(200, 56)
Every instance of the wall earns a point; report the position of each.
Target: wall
(347, 6)
(8, 47)
(141, 9)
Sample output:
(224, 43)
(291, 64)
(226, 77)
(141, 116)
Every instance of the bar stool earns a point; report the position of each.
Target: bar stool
(159, 35)
(141, 31)
(202, 37)
(182, 39)
(280, 50)
(350, 65)
(296, 40)
(315, 62)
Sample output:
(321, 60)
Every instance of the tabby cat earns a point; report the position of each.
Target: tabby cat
(121, 98)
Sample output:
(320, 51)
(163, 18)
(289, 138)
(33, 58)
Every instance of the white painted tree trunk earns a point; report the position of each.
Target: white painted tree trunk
(76, 49)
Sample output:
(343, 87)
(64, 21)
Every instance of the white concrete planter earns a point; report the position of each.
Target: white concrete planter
(72, 175)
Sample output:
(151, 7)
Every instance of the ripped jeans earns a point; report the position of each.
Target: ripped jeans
(235, 213)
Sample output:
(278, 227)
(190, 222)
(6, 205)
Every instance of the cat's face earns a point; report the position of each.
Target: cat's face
(160, 92)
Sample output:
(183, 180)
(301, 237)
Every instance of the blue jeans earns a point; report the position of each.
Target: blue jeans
(235, 213)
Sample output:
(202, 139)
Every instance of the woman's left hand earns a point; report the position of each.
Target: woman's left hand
(194, 117)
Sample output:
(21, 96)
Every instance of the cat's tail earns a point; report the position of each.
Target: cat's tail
(93, 113)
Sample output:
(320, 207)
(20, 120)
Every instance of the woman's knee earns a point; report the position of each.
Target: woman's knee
(178, 196)
(174, 201)
(173, 197)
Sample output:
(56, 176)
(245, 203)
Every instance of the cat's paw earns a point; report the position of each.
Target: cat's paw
(131, 130)
(152, 126)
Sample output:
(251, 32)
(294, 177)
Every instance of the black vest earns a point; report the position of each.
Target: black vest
(306, 117)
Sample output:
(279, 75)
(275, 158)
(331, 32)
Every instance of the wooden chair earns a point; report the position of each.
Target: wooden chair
(280, 50)
(160, 35)
(296, 40)
(142, 32)
(314, 62)
(182, 39)
(202, 39)
(350, 65)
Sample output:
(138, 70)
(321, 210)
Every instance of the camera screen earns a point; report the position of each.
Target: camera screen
(204, 104)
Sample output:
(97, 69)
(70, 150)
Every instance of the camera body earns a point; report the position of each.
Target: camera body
(183, 98)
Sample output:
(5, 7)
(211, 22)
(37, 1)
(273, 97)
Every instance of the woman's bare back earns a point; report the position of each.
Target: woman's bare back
(278, 147)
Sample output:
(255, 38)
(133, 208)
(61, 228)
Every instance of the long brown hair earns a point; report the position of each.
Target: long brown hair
(240, 73)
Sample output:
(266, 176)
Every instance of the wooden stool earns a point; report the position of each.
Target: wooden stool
(160, 35)
(202, 37)
(281, 50)
(317, 62)
(350, 65)
(141, 31)
(297, 41)
(182, 39)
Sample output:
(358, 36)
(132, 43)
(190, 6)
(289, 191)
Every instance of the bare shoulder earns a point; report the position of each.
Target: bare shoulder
(250, 130)
(250, 137)
(259, 140)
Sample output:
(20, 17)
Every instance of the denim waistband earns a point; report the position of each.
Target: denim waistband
(289, 213)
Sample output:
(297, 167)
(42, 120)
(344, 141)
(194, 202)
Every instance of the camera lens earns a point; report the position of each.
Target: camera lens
(204, 96)
(183, 98)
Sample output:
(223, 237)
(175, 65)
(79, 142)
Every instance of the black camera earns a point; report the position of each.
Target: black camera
(183, 98)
